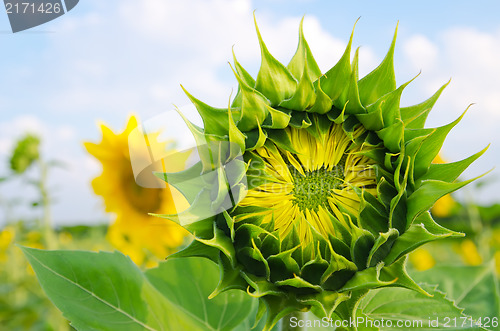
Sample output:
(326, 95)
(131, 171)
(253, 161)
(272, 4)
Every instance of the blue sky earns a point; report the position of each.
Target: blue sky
(107, 59)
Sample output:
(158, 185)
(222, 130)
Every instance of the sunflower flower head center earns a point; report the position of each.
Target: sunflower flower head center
(313, 190)
(142, 199)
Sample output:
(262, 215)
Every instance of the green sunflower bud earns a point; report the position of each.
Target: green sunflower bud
(312, 188)
(25, 153)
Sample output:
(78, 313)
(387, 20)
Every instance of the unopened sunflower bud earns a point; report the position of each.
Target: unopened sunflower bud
(25, 153)
(336, 182)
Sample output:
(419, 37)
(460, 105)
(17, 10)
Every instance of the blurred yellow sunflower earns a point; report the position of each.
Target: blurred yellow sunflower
(422, 259)
(6, 239)
(443, 206)
(144, 238)
(469, 252)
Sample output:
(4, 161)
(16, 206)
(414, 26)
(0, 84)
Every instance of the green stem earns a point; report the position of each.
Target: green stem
(291, 319)
(48, 232)
(481, 230)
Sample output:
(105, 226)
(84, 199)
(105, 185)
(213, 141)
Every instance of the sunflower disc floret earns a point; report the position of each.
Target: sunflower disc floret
(330, 179)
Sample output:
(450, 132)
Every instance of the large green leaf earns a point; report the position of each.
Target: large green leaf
(383, 309)
(402, 309)
(105, 291)
(188, 282)
(474, 288)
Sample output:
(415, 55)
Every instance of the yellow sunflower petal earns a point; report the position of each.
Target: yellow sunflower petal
(311, 186)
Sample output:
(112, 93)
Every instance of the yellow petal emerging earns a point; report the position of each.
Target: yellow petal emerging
(315, 186)
(444, 206)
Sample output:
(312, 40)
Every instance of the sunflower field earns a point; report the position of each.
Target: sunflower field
(313, 200)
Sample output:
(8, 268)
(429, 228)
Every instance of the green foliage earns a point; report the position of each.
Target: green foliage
(25, 153)
(463, 298)
(23, 304)
(188, 284)
(474, 288)
(395, 304)
(106, 291)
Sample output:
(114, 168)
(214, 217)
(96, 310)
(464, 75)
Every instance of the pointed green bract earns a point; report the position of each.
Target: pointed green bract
(323, 103)
(380, 81)
(253, 106)
(304, 97)
(428, 193)
(353, 104)
(356, 236)
(432, 145)
(334, 80)
(303, 60)
(449, 172)
(215, 120)
(274, 80)
(414, 116)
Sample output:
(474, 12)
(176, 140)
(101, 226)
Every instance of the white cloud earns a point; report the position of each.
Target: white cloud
(467, 55)
(474, 56)
(421, 52)
(368, 60)
(135, 56)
